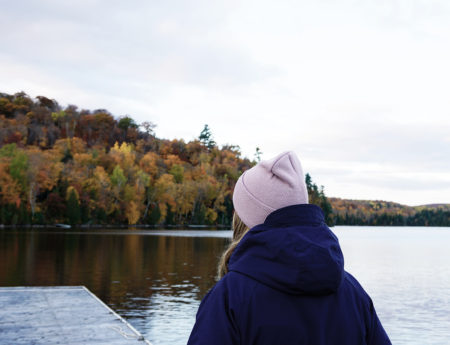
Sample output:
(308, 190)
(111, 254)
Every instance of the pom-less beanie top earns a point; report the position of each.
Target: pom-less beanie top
(269, 186)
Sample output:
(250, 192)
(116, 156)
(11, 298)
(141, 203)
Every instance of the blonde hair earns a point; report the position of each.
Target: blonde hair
(239, 230)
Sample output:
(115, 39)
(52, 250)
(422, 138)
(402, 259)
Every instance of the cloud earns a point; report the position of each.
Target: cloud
(149, 42)
(358, 90)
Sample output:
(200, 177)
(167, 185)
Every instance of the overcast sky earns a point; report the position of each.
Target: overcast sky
(360, 90)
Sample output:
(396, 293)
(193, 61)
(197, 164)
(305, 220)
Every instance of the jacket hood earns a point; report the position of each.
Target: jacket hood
(294, 251)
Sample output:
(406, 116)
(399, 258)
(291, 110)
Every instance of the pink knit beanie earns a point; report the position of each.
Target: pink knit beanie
(268, 186)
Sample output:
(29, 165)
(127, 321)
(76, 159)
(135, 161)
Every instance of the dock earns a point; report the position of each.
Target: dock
(69, 315)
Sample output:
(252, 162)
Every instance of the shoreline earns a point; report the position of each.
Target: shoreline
(180, 226)
(112, 226)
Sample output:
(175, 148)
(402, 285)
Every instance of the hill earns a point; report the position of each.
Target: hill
(61, 165)
(70, 165)
(377, 212)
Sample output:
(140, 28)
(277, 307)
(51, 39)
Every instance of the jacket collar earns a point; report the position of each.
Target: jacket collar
(301, 214)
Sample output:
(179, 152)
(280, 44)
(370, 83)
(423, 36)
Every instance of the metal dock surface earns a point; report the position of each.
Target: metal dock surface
(69, 315)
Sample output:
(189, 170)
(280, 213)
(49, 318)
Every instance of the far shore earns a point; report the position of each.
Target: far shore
(175, 226)
(121, 226)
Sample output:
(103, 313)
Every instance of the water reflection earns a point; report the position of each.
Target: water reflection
(153, 281)
(157, 279)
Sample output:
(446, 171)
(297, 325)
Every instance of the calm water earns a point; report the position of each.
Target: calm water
(156, 279)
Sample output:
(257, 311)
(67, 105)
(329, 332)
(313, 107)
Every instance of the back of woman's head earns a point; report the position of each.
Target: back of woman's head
(268, 186)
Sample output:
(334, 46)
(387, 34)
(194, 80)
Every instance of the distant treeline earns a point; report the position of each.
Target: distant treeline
(369, 212)
(69, 165)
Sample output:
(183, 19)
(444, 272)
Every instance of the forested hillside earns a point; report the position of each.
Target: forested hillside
(69, 165)
(79, 166)
(377, 212)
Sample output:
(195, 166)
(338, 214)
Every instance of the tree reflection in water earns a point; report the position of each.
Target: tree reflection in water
(155, 282)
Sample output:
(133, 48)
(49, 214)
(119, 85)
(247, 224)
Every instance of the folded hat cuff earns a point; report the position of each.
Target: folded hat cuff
(251, 211)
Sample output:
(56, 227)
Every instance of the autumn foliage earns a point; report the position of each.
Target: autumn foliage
(378, 212)
(70, 165)
(65, 165)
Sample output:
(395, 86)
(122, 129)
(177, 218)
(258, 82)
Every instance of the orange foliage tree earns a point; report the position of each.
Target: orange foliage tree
(108, 167)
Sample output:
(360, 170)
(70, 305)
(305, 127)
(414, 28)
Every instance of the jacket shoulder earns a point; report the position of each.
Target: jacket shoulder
(356, 292)
(239, 283)
(234, 286)
(356, 286)
(375, 331)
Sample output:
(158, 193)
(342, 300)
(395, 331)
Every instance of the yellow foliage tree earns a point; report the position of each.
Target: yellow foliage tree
(132, 212)
(165, 193)
(149, 164)
(9, 188)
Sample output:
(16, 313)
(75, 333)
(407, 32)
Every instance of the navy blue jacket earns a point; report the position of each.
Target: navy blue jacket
(286, 285)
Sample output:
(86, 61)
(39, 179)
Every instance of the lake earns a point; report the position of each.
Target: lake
(156, 278)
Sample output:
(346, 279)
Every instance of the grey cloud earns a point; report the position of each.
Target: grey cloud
(122, 41)
(394, 181)
(416, 147)
(403, 183)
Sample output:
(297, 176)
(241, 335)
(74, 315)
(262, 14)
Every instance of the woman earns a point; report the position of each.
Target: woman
(282, 277)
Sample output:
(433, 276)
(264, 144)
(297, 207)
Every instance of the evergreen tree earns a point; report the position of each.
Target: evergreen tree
(73, 207)
(170, 216)
(317, 197)
(155, 215)
(258, 154)
(206, 138)
(126, 122)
